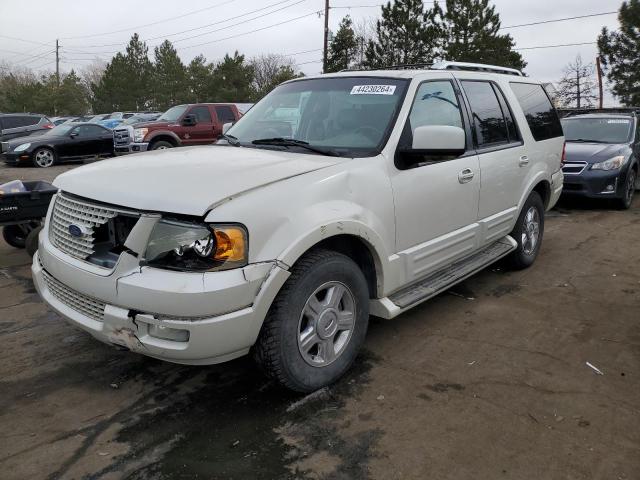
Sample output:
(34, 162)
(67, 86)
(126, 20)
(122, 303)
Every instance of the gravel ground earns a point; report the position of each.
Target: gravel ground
(488, 381)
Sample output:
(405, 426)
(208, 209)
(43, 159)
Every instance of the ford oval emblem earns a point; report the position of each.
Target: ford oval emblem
(76, 231)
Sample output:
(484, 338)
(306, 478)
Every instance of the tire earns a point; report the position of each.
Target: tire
(531, 220)
(31, 242)
(316, 278)
(43, 158)
(161, 145)
(625, 202)
(16, 235)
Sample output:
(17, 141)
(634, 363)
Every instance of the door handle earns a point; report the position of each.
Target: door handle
(524, 160)
(466, 175)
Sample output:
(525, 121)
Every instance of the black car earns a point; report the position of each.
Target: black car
(67, 142)
(13, 125)
(602, 155)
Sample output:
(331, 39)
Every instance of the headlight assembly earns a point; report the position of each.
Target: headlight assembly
(22, 148)
(139, 134)
(197, 247)
(611, 164)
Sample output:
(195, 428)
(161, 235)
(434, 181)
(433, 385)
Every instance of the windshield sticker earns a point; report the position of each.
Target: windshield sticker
(373, 89)
(618, 121)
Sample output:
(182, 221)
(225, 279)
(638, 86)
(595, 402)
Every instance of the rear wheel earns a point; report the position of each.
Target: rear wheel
(528, 233)
(629, 190)
(316, 324)
(161, 145)
(43, 158)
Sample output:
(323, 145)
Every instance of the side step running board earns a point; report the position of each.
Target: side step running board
(442, 280)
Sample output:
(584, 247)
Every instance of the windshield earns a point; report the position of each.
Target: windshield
(351, 116)
(173, 114)
(601, 130)
(63, 129)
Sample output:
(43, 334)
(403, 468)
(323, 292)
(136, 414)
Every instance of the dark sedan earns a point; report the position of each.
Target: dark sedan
(602, 155)
(67, 142)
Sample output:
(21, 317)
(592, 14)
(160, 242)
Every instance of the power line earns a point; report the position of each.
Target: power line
(23, 40)
(148, 24)
(557, 45)
(558, 20)
(210, 24)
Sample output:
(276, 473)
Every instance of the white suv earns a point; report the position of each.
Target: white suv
(333, 198)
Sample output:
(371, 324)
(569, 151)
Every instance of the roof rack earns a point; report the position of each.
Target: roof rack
(476, 67)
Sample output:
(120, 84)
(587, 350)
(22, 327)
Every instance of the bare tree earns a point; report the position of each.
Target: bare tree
(577, 88)
(365, 30)
(91, 75)
(270, 70)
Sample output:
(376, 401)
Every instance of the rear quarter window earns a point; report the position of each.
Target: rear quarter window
(541, 116)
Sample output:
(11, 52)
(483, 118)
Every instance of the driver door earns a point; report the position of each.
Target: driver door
(436, 198)
(202, 132)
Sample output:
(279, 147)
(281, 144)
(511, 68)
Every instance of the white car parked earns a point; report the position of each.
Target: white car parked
(385, 189)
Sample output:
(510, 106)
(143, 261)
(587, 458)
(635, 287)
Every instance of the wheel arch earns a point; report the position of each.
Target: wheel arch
(166, 136)
(353, 240)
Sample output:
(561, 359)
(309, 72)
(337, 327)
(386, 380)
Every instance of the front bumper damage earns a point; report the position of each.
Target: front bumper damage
(190, 318)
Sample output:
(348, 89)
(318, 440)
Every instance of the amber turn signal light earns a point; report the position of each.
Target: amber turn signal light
(231, 244)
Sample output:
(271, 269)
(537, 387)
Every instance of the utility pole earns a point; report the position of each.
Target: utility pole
(599, 70)
(326, 35)
(57, 63)
(55, 103)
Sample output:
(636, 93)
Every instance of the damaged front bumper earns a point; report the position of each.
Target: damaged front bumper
(180, 317)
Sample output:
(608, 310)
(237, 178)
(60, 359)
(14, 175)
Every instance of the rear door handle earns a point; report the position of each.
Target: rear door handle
(466, 175)
(524, 160)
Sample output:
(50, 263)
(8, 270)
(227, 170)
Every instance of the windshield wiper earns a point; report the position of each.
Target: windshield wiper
(291, 142)
(230, 139)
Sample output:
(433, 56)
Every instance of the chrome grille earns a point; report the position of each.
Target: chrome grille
(573, 168)
(67, 212)
(88, 306)
(121, 136)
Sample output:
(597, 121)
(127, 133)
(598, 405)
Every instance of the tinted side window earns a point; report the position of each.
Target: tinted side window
(538, 110)
(225, 114)
(202, 114)
(512, 129)
(488, 120)
(10, 122)
(90, 131)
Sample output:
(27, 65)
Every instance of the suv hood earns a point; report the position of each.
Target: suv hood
(187, 180)
(153, 124)
(593, 152)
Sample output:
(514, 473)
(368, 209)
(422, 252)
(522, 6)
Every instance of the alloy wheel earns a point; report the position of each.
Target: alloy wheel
(531, 231)
(326, 324)
(44, 158)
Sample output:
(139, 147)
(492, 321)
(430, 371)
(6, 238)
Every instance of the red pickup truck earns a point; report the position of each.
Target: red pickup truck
(182, 125)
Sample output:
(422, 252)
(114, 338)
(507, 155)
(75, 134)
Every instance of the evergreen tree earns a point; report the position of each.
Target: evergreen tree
(344, 47)
(405, 34)
(200, 80)
(72, 96)
(138, 76)
(470, 32)
(619, 54)
(170, 77)
(233, 79)
(111, 93)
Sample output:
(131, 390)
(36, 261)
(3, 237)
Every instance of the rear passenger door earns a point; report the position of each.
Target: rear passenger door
(15, 126)
(435, 197)
(225, 114)
(502, 156)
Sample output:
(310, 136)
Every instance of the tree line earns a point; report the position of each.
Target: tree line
(407, 32)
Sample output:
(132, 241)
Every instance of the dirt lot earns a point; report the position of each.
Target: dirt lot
(488, 381)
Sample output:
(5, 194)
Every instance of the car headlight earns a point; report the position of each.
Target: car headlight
(611, 164)
(139, 134)
(197, 247)
(22, 148)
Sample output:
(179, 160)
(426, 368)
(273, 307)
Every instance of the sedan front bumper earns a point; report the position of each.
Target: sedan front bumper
(595, 184)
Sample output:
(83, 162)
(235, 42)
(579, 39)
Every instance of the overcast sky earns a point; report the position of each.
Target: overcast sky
(84, 27)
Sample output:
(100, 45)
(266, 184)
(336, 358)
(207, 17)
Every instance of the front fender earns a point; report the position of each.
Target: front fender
(163, 133)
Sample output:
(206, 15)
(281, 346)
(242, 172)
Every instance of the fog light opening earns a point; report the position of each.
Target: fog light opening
(168, 333)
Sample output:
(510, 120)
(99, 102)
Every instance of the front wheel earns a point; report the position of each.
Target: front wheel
(16, 235)
(161, 145)
(630, 189)
(528, 233)
(43, 158)
(317, 323)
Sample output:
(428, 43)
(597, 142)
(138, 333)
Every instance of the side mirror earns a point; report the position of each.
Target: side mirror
(439, 140)
(189, 120)
(226, 127)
